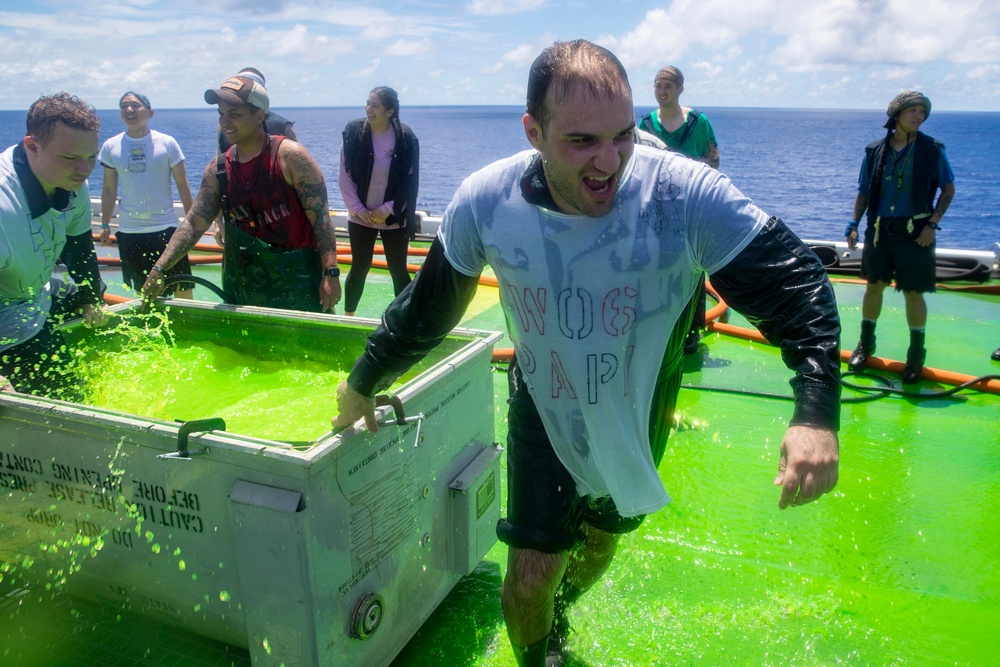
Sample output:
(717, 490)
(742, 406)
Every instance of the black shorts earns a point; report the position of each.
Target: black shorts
(139, 251)
(896, 255)
(544, 510)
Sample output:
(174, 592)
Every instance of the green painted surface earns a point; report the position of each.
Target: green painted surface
(899, 566)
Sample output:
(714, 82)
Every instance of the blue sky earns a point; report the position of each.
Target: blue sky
(852, 54)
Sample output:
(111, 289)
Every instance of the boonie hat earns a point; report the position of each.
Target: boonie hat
(240, 90)
(903, 101)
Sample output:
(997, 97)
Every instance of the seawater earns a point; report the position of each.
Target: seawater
(800, 165)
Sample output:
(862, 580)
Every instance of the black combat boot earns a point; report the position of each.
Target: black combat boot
(915, 356)
(558, 638)
(865, 348)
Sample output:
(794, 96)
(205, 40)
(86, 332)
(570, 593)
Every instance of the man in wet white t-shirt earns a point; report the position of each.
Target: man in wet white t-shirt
(598, 246)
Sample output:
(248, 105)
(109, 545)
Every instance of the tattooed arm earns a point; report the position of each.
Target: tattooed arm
(197, 221)
(303, 174)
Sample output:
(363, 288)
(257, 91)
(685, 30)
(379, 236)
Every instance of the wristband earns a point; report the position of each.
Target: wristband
(105, 225)
(852, 226)
(933, 225)
(157, 267)
(333, 272)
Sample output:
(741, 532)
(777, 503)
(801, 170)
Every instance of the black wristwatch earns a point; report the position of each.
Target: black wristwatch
(333, 272)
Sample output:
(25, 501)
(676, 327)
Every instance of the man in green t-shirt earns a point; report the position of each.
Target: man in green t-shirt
(686, 131)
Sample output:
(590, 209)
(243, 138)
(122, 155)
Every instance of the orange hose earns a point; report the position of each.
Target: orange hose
(114, 298)
(505, 354)
(875, 363)
(933, 374)
(341, 248)
(975, 289)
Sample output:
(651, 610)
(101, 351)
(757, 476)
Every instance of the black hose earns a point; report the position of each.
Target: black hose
(944, 393)
(185, 278)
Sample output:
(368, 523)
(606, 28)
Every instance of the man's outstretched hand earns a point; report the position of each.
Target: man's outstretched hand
(808, 467)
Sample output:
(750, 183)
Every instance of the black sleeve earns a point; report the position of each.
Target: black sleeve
(781, 287)
(80, 258)
(417, 320)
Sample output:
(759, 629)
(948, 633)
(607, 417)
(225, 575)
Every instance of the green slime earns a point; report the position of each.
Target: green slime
(158, 375)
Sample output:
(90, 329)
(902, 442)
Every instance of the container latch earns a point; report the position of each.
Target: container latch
(383, 400)
(193, 426)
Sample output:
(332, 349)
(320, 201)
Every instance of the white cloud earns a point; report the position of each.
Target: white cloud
(707, 69)
(892, 74)
(523, 55)
(295, 42)
(984, 72)
(658, 38)
(739, 52)
(367, 71)
(501, 7)
(410, 47)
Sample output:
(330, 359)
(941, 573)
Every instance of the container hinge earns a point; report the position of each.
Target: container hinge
(193, 426)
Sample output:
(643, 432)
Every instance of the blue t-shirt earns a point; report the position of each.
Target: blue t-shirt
(897, 181)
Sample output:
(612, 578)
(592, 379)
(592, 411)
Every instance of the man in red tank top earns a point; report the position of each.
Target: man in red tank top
(282, 252)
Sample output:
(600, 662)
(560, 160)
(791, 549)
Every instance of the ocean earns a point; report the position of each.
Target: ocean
(801, 165)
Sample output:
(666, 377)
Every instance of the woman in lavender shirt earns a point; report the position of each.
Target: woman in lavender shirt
(379, 175)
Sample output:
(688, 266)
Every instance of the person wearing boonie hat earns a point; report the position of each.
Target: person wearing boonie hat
(281, 251)
(900, 176)
(143, 161)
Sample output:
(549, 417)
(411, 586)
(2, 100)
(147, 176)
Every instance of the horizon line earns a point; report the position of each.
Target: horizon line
(520, 106)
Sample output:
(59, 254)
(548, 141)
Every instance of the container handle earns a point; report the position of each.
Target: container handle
(383, 400)
(193, 426)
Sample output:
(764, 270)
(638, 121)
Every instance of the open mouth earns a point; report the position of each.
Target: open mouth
(600, 187)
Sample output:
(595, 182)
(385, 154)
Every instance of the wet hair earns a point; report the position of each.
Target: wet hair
(143, 100)
(390, 100)
(49, 111)
(671, 72)
(565, 67)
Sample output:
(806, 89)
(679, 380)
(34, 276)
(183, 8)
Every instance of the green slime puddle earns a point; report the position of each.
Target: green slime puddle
(900, 566)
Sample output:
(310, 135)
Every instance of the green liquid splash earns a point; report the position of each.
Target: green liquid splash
(141, 367)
